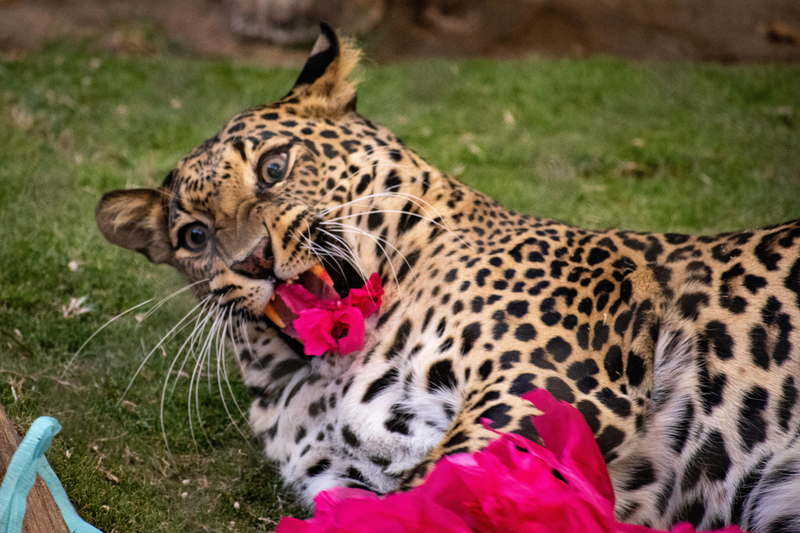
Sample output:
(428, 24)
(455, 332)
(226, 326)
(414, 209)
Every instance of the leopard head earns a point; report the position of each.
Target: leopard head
(280, 189)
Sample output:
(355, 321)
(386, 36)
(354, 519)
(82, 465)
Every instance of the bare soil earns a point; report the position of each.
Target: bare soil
(704, 30)
(700, 30)
(138, 27)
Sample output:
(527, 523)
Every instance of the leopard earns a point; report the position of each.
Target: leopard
(681, 352)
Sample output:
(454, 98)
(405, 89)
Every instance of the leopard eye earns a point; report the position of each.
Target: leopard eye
(194, 236)
(272, 167)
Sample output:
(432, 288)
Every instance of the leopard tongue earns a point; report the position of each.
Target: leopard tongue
(317, 281)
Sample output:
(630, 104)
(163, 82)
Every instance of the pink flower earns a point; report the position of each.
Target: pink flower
(368, 298)
(343, 510)
(331, 324)
(331, 330)
(512, 485)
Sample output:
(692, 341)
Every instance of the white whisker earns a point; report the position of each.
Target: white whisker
(346, 253)
(416, 200)
(225, 372)
(195, 382)
(166, 382)
(213, 317)
(101, 328)
(199, 326)
(169, 334)
(222, 375)
(197, 368)
(378, 241)
(170, 297)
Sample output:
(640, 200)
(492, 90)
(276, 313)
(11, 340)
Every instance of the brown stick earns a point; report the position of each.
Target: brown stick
(16, 340)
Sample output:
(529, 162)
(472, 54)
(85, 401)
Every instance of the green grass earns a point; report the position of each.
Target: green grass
(599, 142)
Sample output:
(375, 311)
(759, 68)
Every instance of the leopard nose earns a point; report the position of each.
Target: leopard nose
(258, 264)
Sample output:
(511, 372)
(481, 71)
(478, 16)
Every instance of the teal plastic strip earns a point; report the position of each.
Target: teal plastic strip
(21, 475)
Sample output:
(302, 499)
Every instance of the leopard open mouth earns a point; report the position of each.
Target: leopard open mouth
(331, 280)
(311, 310)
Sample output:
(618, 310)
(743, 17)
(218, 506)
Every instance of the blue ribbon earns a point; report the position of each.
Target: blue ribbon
(29, 460)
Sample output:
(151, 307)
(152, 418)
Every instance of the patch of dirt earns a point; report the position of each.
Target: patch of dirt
(705, 30)
(141, 27)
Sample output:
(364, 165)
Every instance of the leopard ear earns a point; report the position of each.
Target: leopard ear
(323, 88)
(135, 219)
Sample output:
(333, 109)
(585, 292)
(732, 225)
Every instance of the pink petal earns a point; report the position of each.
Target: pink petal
(508, 486)
(504, 488)
(314, 328)
(352, 510)
(319, 284)
(297, 297)
(368, 298)
(566, 434)
(354, 340)
(295, 525)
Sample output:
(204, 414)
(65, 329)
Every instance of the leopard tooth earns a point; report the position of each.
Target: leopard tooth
(319, 271)
(270, 312)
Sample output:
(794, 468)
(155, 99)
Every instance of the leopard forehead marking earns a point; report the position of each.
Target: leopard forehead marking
(680, 352)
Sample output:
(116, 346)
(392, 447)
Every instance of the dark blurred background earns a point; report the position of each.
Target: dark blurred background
(390, 30)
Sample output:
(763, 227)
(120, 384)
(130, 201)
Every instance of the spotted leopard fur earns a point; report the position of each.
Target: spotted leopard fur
(681, 352)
